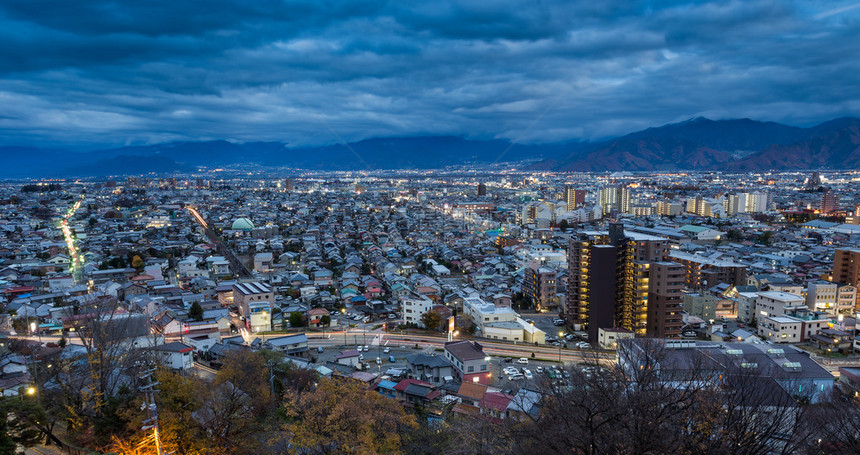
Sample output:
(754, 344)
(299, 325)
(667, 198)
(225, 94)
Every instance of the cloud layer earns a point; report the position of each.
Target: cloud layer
(103, 73)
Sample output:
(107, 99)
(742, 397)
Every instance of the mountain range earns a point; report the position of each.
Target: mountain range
(742, 145)
(731, 145)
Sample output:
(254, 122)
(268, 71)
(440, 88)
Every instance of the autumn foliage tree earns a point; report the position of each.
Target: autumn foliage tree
(431, 320)
(344, 417)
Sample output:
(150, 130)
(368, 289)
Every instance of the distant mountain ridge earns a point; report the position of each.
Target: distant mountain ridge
(740, 145)
(731, 145)
(424, 152)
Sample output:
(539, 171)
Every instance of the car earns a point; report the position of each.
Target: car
(361, 357)
(386, 350)
(570, 337)
(319, 349)
(516, 377)
(366, 348)
(510, 370)
(508, 360)
(523, 361)
(558, 322)
(391, 359)
(741, 325)
(378, 361)
(566, 374)
(392, 316)
(539, 369)
(528, 374)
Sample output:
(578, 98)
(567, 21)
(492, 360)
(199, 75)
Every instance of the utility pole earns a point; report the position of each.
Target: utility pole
(151, 408)
(271, 377)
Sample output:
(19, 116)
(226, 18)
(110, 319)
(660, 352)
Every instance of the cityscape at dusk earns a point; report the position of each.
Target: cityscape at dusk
(495, 227)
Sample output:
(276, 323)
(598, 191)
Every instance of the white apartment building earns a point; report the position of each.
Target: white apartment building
(775, 303)
(413, 307)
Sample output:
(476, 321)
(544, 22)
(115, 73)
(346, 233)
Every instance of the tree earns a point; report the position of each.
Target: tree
(431, 320)
(345, 417)
(765, 238)
(296, 319)
(734, 235)
(563, 225)
(62, 343)
(137, 262)
(196, 311)
(84, 391)
(325, 320)
(19, 420)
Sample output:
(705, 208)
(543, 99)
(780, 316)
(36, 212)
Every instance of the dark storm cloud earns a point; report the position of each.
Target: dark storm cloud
(117, 72)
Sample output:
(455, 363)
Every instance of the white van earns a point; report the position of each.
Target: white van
(523, 360)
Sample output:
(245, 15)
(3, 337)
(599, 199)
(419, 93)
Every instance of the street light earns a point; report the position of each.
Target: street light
(342, 315)
(560, 334)
(31, 390)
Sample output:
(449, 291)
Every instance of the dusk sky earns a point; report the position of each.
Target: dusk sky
(110, 73)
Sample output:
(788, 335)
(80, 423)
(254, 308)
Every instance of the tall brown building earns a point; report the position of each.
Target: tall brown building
(539, 285)
(613, 278)
(846, 266)
(482, 189)
(666, 281)
(829, 202)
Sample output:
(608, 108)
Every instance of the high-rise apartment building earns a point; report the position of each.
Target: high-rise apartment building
(846, 267)
(615, 197)
(482, 189)
(829, 202)
(539, 285)
(610, 283)
(573, 197)
(666, 281)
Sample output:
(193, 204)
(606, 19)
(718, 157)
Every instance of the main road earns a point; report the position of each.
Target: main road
(493, 348)
(235, 264)
(76, 266)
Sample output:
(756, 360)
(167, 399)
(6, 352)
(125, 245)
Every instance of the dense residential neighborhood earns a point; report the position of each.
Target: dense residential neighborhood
(472, 297)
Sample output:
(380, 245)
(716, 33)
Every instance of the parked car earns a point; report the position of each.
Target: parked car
(319, 349)
(386, 350)
(378, 361)
(391, 359)
(539, 369)
(508, 360)
(528, 374)
(523, 360)
(366, 348)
